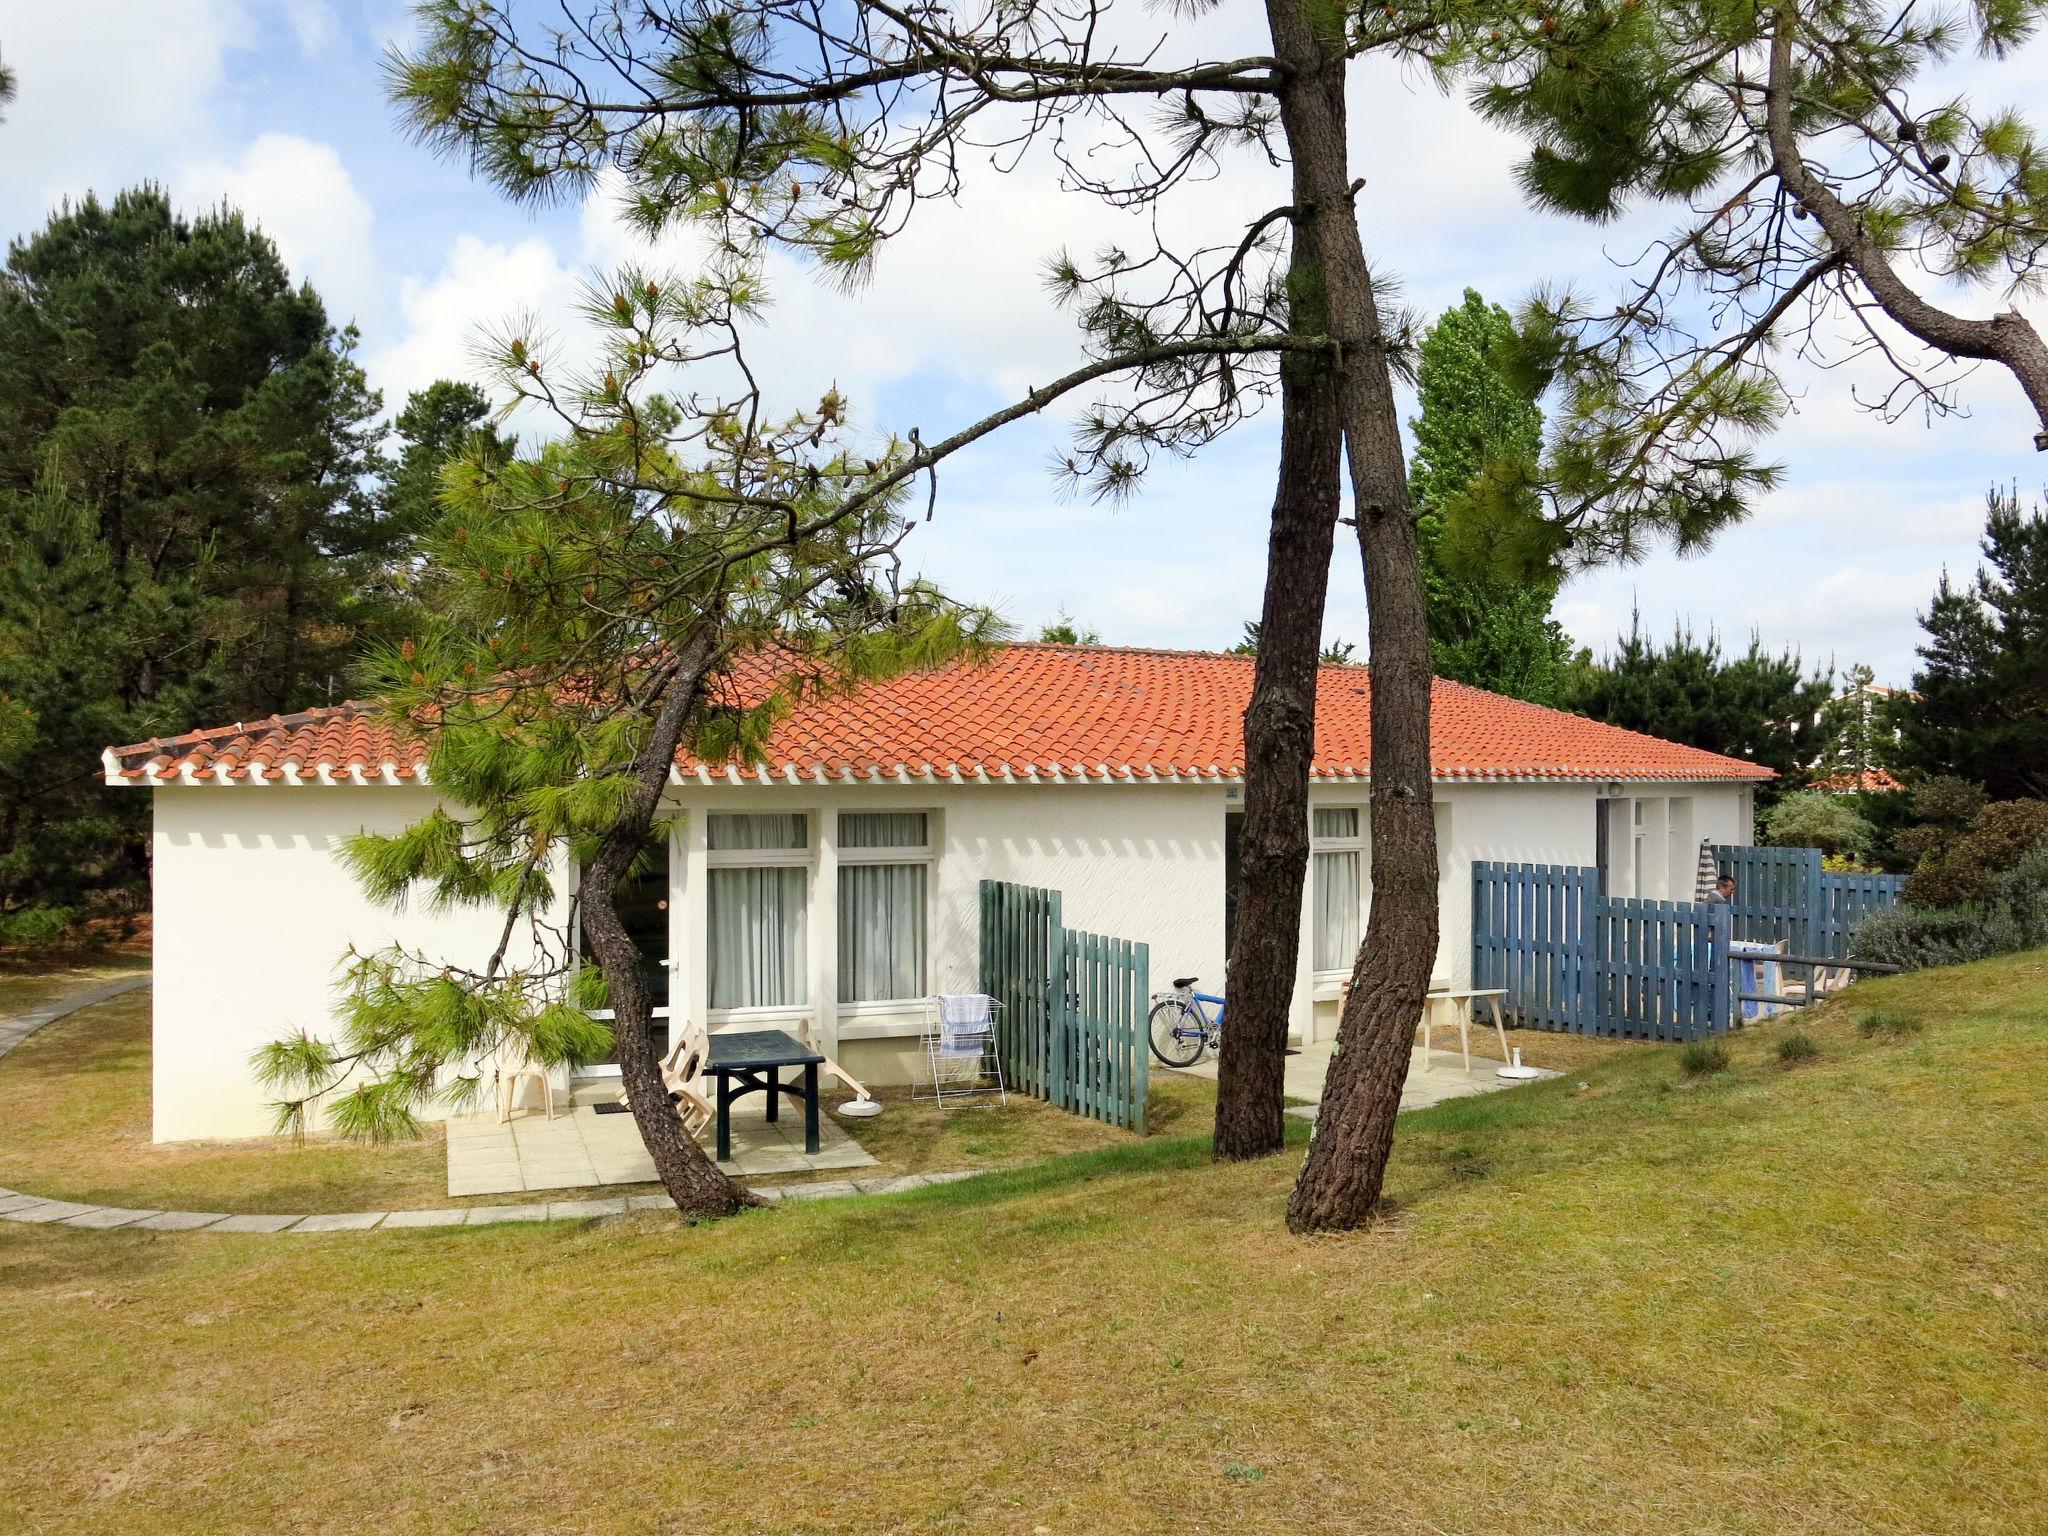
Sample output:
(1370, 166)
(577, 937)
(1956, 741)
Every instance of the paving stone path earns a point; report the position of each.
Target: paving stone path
(16, 1206)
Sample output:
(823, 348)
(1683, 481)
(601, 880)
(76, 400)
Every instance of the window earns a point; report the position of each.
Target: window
(884, 861)
(1338, 856)
(756, 894)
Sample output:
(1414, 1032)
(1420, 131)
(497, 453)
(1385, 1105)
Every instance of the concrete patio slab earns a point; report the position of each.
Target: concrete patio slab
(584, 1210)
(582, 1149)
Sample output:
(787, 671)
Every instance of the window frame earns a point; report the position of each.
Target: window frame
(925, 855)
(805, 858)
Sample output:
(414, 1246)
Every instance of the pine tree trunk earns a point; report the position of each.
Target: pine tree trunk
(1279, 725)
(1342, 1178)
(692, 1180)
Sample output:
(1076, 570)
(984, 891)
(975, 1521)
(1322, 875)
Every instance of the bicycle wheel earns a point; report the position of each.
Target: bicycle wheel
(1177, 1035)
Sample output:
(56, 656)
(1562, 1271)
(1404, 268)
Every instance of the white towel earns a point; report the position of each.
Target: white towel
(965, 1021)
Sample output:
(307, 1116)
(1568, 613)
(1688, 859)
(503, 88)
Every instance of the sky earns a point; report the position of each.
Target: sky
(277, 106)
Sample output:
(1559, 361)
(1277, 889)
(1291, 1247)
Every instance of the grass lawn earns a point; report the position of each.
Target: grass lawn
(1774, 1300)
(74, 1125)
(30, 985)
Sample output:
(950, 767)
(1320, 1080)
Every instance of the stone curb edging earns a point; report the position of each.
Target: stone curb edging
(16, 1206)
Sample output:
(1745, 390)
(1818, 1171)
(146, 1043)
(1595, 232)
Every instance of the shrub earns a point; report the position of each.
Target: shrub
(2012, 915)
(1796, 1047)
(1955, 865)
(1945, 798)
(1813, 818)
(1914, 938)
(1946, 885)
(2000, 834)
(36, 925)
(1889, 1023)
(1703, 1058)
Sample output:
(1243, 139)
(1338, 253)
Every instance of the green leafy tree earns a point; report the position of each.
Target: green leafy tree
(188, 451)
(672, 570)
(1754, 705)
(8, 82)
(1478, 418)
(1813, 818)
(1064, 631)
(1979, 705)
(440, 425)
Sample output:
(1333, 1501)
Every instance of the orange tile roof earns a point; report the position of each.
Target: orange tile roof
(1032, 712)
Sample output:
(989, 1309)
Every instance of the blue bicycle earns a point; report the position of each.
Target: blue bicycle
(1181, 1026)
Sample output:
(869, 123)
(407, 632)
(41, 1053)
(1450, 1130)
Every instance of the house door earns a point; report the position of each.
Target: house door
(643, 900)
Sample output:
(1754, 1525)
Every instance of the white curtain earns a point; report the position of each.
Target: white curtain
(882, 829)
(757, 937)
(776, 830)
(1336, 893)
(881, 932)
(1337, 821)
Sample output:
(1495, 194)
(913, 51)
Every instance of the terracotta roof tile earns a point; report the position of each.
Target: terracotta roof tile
(1033, 710)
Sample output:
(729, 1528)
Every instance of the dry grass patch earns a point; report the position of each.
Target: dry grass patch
(1765, 1302)
(29, 984)
(74, 1125)
(914, 1135)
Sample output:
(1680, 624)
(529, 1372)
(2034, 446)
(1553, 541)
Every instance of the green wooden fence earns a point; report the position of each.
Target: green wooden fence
(1072, 1018)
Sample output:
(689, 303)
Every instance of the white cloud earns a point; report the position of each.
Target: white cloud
(440, 318)
(107, 94)
(314, 25)
(305, 200)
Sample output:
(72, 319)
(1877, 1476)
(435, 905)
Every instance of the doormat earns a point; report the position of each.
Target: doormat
(1291, 1051)
(614, 1109)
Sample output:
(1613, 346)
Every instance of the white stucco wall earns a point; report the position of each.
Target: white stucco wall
(254, 912)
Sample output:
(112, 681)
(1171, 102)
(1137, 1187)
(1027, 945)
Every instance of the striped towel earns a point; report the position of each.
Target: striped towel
(965, 1022)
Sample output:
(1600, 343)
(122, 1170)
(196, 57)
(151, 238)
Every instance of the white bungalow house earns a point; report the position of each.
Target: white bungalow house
(831, 887)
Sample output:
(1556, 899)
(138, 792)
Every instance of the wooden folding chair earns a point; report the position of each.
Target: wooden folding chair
(682, 1073)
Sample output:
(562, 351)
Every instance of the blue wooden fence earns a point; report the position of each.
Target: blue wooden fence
(1529, 927)
(1782, 895)
(1072, 1025)
(1576, 961)
(1659, 970)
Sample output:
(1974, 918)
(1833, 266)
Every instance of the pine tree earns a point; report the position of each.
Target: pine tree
(208, 445)
(1981, 711)
(1490, 628)
(1757, 706)
(671, 571)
